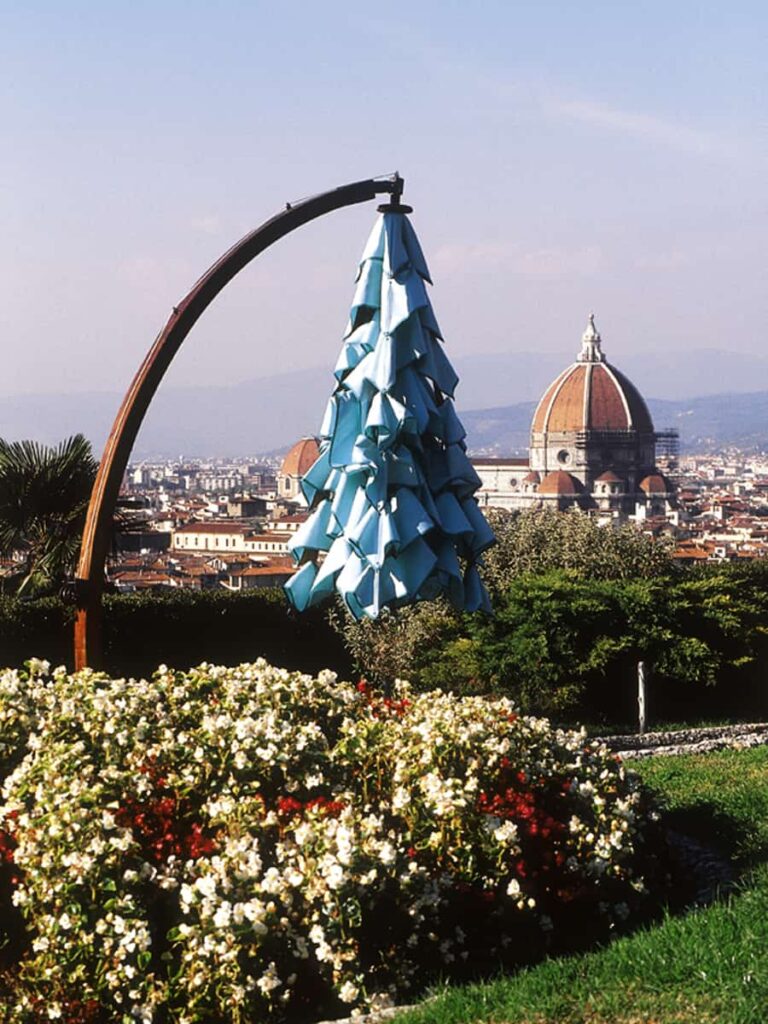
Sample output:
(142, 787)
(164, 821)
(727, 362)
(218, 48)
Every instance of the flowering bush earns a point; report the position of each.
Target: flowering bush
(248, 843)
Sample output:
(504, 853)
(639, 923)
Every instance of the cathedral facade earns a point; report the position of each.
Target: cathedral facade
(593, 446)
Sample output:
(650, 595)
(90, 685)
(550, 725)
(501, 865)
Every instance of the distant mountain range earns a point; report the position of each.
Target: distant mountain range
(708, 423)
(714, 398)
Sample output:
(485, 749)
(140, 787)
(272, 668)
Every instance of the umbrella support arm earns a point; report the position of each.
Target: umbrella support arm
(89, 581)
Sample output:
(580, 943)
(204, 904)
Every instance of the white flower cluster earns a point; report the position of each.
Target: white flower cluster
(232, 843)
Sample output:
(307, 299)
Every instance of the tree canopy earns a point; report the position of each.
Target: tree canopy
(564, 643)
(44, 494)
(540, 540)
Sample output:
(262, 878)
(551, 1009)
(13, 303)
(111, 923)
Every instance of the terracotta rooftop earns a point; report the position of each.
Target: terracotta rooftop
(609, 477)
(214, 527)
(654, 483)
(690, 553)
(265, 570)
(559, 482)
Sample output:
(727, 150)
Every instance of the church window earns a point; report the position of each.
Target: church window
(563, 457)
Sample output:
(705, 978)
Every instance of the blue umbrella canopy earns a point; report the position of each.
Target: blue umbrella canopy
(394, 519)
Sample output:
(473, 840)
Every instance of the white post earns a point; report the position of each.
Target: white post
(641, 677)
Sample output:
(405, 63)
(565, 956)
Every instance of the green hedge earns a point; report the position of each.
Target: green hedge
(179, 629)
(566, 644)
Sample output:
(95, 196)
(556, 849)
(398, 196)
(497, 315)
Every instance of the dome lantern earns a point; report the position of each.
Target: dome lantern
(590, 344)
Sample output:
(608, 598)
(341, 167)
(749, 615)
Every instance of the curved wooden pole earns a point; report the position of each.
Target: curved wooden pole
(89, 581)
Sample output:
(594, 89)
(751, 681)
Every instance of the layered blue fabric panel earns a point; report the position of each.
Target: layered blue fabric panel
(414, 248)
(452, 518)
(482, 534)
(436, 366)
(411, 518)
(381, 366)
(368, 289)
(452, 430)
(374, 247)
(393, 516)
(317, 476)
(317, 533)
(475, 595)
(396, 256)
(299, 587)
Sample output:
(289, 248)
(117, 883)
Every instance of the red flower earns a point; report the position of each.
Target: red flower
(163, 826)
(290, 807)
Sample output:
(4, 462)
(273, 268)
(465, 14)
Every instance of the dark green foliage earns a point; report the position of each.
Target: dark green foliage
(40, 628)
(44, 496)
(179, 629)
(566, 644)
(431, 645)
(560, 643)
(400, 644)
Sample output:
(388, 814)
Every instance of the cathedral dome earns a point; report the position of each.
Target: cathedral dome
(300, 458)
(591, 394)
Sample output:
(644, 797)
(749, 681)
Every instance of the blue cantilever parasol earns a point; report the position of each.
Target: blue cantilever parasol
(394, 519)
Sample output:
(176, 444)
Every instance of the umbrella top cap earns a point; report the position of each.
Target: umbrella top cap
(394, 205)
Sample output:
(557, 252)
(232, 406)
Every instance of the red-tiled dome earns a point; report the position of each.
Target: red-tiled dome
(560, 482)
(654, 483)
(300, 458)
(608, 477)
(531, 478)
(591, 395)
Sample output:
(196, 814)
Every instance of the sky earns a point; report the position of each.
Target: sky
(560, 157)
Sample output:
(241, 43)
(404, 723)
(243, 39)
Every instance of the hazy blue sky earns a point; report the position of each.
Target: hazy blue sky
(561, 157)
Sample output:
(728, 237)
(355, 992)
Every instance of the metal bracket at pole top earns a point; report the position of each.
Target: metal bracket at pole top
(396, 194)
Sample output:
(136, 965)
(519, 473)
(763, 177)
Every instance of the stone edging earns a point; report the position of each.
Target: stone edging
(688, 741)
(376, 1017)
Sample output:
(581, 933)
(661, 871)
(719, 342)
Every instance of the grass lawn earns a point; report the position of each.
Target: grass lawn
(709, 965)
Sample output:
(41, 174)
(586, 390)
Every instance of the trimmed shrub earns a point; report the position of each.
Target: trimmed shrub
(181, 628)
(568, 646)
